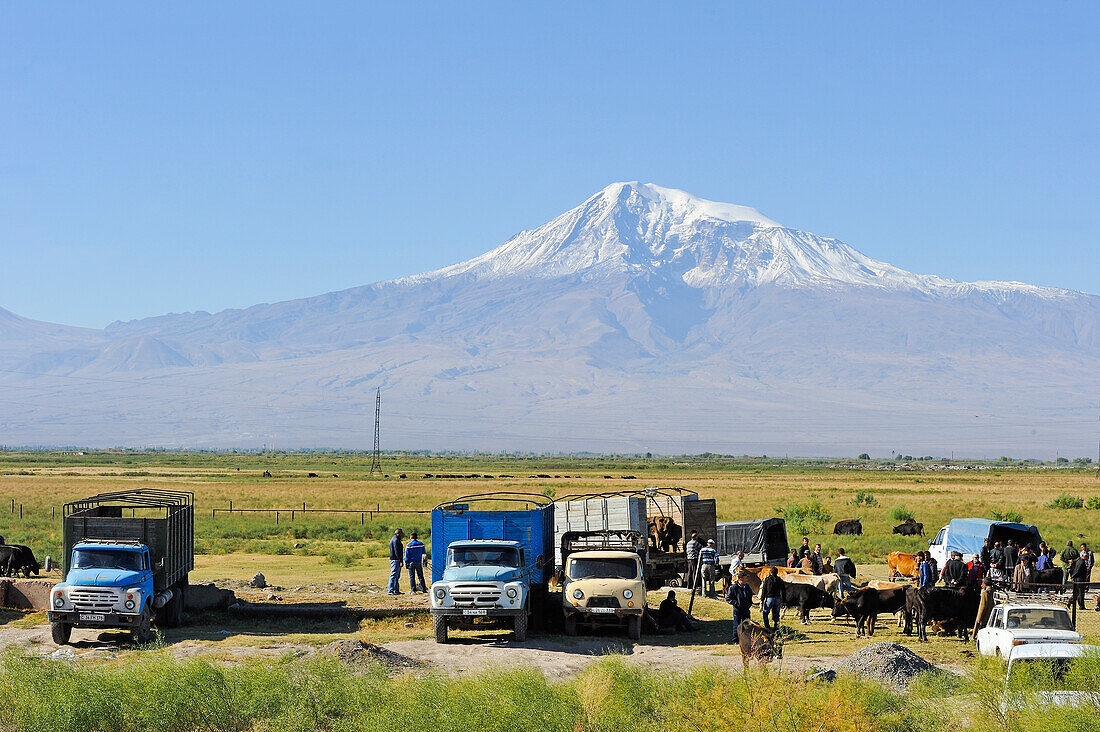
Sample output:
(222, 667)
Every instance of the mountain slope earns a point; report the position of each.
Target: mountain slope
(644, 318)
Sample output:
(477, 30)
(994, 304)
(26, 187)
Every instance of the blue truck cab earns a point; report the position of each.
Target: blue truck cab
(127, 555)
(490, 568)
(109, 584)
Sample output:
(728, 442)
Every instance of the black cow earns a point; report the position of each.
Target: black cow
(1044, 578)
(16, 558)
(943, 604)
(849, 527)
(910, 528)
(866, 603)
(805, 598)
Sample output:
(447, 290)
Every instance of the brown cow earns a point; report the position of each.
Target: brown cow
(665, 533)
(756, 643)
(902, 565)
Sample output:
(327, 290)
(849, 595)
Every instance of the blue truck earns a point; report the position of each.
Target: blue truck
(127, 555)
(490, 565)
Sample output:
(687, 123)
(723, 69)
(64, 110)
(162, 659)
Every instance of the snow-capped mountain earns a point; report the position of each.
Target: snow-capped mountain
(643, 319)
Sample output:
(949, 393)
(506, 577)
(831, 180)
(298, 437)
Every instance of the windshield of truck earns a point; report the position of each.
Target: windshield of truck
(484, 556)
(1036, 618)
(106, 559)
(604, 568)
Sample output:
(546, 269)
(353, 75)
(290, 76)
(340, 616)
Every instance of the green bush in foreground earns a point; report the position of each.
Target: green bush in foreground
(156, 692)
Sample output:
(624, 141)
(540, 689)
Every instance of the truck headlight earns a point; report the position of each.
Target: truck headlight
(511, 592)
(628, 594)
(129, 604)
(58, 600)
(440, 593)
(578, 595)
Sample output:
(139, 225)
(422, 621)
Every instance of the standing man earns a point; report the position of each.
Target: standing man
(926, 575)
(985, 606)
(985, 553)
(1079, 574)
(414, 562)
(708, 560)
(804, 550)
(397, 552)
(771, 597)
(691, 551)
(1090, 558)
(737, 563)
(740, 596)
(954, 571)
(846, 569)
(997, 562)
(1043, 562)
(1069, 554)
(816, 562)
(1012, 558)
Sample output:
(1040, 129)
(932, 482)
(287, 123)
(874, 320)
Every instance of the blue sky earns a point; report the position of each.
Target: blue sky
(199, 156)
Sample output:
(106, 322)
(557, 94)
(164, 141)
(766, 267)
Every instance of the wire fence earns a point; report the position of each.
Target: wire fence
(293, 513)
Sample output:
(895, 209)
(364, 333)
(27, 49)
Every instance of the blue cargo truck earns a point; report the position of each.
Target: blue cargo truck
(491, 566)
(127, 555)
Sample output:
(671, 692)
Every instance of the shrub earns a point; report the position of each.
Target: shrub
(808, 518)
(863, 498)
(1093, 502)
(1065, 500)
(864, 456)
(1014, 516)
(340, 559)
(901, 514)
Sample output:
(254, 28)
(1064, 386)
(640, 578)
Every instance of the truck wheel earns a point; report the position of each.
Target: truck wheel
(571, 624)
(141, 634)
(521, 626)
(61, 633)
(439, 623)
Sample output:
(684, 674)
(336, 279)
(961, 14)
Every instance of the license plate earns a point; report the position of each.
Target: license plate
(607, 610)
(475, 612)
(92, 618)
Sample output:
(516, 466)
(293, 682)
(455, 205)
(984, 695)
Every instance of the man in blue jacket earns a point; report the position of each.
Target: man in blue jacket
(740, 596)
(414, 562)
(397, 550)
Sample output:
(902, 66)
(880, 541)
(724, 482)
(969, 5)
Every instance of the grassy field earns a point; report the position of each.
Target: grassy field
(158, 693)
(41, 482)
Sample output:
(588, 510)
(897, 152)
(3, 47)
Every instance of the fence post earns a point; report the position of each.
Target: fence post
(362, 519)
(1073, 609)
(276, 518)
(20, 511)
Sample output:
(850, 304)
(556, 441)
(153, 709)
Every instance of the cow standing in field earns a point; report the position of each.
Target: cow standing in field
(942, 604)
(805, 598)
(865, 604)
(910, 528)
(902, 565)
(16, 558)
(848, 527)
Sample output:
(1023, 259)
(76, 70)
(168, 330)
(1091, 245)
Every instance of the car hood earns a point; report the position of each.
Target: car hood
(483, 573)
(1064, 636)
(99, 577)
(1017, 701)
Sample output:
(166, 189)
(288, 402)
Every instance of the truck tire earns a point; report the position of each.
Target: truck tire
(634, 627)
(439, 624)
(141, 634)
(61, 633)
(521, 626)
(571, 624)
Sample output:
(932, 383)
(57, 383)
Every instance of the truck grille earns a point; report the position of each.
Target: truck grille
(475, 594)
(603, 602)
(86, 599)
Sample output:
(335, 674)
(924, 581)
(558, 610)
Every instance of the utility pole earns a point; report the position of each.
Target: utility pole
(376, 460)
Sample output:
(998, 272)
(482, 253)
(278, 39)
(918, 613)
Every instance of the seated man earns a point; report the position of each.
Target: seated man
(670, 615)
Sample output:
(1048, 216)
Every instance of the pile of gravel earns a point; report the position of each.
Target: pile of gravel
(891, 664)
(357, 653)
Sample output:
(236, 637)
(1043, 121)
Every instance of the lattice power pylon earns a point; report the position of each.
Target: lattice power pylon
(376, 459)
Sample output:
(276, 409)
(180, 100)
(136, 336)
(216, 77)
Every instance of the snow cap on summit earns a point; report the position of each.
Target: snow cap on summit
(683, 205)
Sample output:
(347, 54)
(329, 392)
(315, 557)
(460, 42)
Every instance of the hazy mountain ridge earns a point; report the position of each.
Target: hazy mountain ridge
(621, 311)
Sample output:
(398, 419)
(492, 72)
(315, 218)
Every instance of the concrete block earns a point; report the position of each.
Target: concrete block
(201, 598)
(26, 594)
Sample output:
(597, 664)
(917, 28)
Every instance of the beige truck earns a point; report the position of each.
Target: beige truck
(604, 586)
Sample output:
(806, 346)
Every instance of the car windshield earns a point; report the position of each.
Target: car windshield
(1039, 618)
(106, 559)
(484, 556)
(605, 568)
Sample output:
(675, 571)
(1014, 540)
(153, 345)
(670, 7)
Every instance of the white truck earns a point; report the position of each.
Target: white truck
(1012, 625)
(968, 535)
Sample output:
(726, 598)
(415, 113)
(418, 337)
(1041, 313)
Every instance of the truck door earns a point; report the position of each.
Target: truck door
(701, 515)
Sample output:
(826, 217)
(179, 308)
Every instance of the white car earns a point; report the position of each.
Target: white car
(1048, 666)
(1013, 625)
